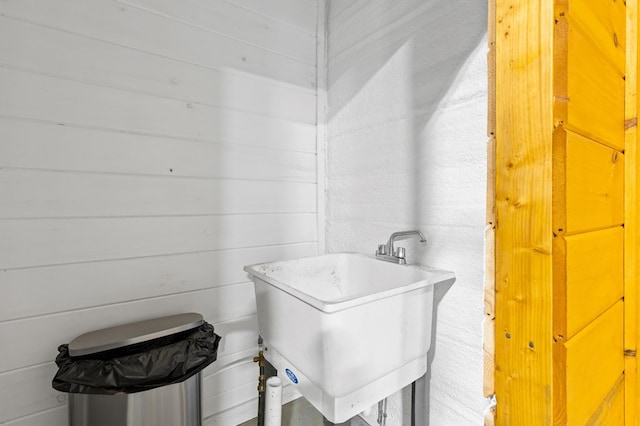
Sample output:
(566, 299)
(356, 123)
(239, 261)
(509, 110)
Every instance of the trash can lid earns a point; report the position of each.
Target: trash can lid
(132, 333)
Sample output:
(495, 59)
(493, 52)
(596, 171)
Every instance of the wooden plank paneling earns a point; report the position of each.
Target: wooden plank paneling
(53, 417)
(215, 304)
(488, 329)
(491, 107)
(588, 196)
(523, 235)
(595, 92)
(223, 386)
(230, 398)
(127, 26)
(595, 361)
(31, 194)
(488, 326)
(603, 22)
(28, 243)
(102, 283)
(43, 49)
(229, 360)
(585, 202)
(149, 153)
(297, 14)
(236, 22)
(242, 413)
(29, 390)
(632, 219)
(62, 101)
(594, 185)
(595, 263)
(35, 145)
(240, 341)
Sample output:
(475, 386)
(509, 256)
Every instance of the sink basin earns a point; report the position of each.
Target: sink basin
(348, 330)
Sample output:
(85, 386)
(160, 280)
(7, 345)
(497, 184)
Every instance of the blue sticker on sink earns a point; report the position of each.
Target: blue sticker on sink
(291, 376)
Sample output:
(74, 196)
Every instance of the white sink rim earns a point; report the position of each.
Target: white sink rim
(429, 276)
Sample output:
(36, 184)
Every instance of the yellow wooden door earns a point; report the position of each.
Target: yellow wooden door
(566, 257)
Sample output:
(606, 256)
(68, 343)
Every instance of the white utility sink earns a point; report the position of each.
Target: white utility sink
(346, 329)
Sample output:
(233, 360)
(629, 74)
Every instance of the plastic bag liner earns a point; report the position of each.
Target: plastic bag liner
(139, 367)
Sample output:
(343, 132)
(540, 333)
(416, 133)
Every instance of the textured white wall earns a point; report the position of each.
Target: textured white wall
(406, 149)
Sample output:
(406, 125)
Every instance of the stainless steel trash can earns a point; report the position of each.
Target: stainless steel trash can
(134, 353)
(172, 405)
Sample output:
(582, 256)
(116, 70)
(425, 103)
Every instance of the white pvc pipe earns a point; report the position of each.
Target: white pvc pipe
(273, 402)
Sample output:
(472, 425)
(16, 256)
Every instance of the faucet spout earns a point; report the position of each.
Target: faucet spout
(402, 234)
(389, 253)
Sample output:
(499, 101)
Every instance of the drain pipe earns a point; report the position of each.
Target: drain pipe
(273, 402)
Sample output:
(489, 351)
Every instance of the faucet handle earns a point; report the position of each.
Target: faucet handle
(400, 253)
(382, 249)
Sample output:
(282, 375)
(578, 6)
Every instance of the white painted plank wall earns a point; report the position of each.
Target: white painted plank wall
(148, 151)
(406, 138)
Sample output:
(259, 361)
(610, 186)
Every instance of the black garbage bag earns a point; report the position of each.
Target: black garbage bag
(138, 367)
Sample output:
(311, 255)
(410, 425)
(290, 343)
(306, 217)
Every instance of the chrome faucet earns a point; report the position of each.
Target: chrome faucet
(388, 253)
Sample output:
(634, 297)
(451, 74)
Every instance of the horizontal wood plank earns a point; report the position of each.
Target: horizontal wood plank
(44, 290)
(231, 398)
(31, 194)
(47, 98)
(36, 145)
(43, 49)
(595, 265)
(215, 304)
(131, 27)
(28, 391)
(53, 417)
(604, 23)
(233, 415)
(27, 243)
(236, 22)
(239, 343)
(594, 185)
(298, 14)
(595, 361)
(244, 372)
(225, 361)
(595, 92)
